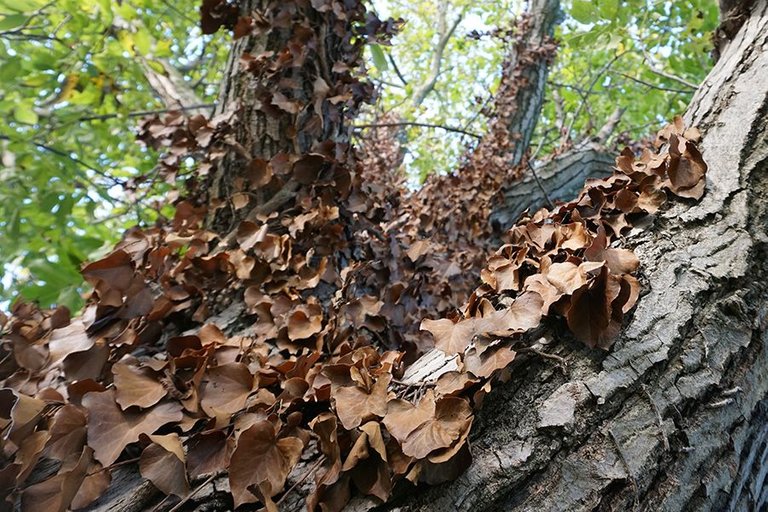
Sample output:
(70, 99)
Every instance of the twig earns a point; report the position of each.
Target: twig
(422, 125)
(541, 187)
(397, 70)
(649, 84)
(195, 491)
(143, 113)
(76, 160)
(659, 420)
(479, 111)
(115, 465)
(561, 362)
(632, 482)
(301, 480)
(652, 68)
(606, 67)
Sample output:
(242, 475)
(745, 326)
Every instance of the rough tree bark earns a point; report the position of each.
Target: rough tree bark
(559, 179)
(676, 416)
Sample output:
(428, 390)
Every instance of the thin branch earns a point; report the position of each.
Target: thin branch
(479, 111)
(559, 110)
(397, 70)
(422, 125)
(390, 84)
(610, 125)
(444, 34)
(76, 160)
(144, 113)
(64, 154)
(653, 69)
(541, 187)
(194, 492)
(600, 73)
(191, 20)
(302, 479)
(649, 84)
(169, 85)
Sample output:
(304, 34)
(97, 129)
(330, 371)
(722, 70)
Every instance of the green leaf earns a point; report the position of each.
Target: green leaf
(609, 9)
(20, 5)
(11, 21)
(583, 11)
(379, 59)
(23, 113)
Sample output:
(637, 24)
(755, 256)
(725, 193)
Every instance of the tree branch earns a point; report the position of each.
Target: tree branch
(143, 113)
(169, 85)
(423, 125)
(567, 133)
(649, 84)
(444, 34)
(653, 69)
(609, 126)
(397, 69)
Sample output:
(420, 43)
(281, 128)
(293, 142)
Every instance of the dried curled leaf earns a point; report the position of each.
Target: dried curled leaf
(111, 429)
(428, 426)
(261, 462)
(163, 463)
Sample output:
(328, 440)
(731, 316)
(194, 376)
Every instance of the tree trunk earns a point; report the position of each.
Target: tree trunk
(676, 416)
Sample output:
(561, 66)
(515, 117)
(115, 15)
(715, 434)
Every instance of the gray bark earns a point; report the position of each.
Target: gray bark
(559, 179)
(530, 97)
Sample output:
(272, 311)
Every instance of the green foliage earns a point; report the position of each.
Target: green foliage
(469, 71)
(71, 82)
(645, 56)
(619, 45)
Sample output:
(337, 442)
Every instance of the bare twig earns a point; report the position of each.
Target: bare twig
(541, 187)
(630, 477)
(653, 69)
(397, 70)
(197, 489)
(64, 154)
(652, 86)
(302, 479)
(561, 362)
(115, 465)
(422, 125)
(144, 113)
(600, 73)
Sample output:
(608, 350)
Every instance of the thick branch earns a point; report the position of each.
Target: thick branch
(561, 178)
(170, 86)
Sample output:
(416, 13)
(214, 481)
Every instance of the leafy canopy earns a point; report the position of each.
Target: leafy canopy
(71, 84)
